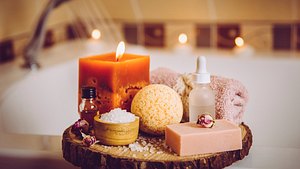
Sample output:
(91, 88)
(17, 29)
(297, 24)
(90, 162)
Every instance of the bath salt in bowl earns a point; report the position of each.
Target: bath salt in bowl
(116, 127)
(118, 116)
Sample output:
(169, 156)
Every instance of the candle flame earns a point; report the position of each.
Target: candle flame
(120, 50)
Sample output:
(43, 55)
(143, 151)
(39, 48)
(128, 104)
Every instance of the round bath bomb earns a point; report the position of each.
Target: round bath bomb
(157, 105)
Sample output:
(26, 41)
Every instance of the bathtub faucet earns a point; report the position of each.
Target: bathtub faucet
(37, 39)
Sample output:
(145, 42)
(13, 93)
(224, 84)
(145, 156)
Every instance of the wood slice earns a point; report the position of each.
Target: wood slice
(159, 156)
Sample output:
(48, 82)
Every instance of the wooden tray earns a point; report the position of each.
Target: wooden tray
(100, 156)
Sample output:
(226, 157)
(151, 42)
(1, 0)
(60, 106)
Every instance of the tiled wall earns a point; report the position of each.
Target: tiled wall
(266, 25)
(261, 36)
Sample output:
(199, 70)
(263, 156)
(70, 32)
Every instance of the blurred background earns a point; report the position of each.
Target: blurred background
(265, 25)
(237, 36)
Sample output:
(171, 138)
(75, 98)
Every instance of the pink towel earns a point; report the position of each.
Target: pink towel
(231, 95)
(164, 76)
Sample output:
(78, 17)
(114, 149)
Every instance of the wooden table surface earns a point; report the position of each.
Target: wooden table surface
(115, 157)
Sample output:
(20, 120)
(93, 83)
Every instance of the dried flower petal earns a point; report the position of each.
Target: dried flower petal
(205, 120)
(89, 140)
(80, 126)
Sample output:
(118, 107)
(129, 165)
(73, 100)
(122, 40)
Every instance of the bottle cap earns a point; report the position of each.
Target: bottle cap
(201, 75)
(88, 92)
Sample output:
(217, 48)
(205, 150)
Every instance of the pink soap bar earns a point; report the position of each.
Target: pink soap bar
(190, 139)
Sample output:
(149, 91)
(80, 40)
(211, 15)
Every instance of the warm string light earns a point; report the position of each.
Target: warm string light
(182, 38)
(96, 34)
(239, 42)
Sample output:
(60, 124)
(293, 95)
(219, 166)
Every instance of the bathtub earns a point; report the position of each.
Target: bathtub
(44, 102)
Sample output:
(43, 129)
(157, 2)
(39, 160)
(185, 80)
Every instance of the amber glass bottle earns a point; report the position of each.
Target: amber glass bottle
(87, 108)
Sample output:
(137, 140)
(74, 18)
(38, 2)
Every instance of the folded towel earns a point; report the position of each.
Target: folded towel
(164, 76)
(231, 95)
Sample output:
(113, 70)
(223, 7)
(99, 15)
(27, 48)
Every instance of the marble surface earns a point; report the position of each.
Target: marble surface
(50, 93)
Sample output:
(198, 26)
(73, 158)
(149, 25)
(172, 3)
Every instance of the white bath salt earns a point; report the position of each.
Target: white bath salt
(152, 150)
(148, 146)
(125, 150)
(144, 143)
(118, 116)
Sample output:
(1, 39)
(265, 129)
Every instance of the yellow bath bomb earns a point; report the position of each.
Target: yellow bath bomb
(157, 106)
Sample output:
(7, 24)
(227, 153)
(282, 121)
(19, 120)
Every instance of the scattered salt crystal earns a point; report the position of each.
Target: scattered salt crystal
(118, 116)
(144, 142)
(149, 146)
(152, 150)
(146, 148)
(107, 147)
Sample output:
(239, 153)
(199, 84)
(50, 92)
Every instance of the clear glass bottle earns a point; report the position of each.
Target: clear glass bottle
(88, 108)
(202, 97)
(201, 101)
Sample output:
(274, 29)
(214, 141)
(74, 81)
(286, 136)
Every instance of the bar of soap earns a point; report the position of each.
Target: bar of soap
(190, 139)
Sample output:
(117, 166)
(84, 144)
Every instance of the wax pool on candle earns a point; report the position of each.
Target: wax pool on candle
(116, 82)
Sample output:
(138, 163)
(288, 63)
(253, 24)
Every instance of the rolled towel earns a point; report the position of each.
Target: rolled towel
(164, 76)
(231, 95)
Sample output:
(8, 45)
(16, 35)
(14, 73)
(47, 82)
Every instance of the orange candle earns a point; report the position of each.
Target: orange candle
(117, 78)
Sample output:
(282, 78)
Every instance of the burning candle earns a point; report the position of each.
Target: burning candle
(117, 77)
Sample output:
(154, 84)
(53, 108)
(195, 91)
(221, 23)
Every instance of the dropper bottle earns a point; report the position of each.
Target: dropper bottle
(202, 97)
